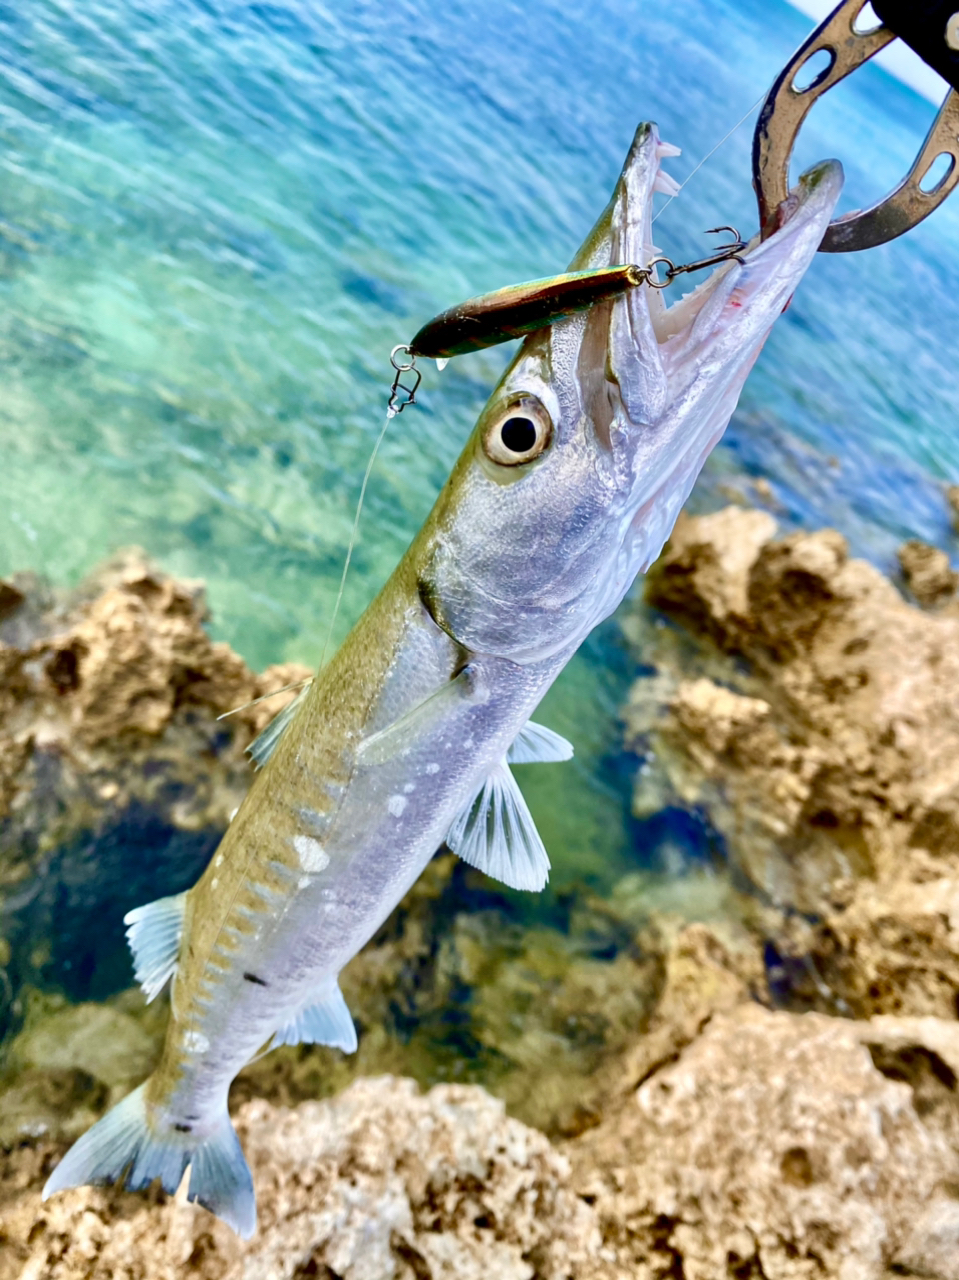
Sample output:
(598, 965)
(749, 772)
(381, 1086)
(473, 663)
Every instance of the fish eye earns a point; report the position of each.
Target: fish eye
(519, 434)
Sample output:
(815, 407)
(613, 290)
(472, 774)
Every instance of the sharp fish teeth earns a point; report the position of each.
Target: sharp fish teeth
(666, 184)
(664, 150)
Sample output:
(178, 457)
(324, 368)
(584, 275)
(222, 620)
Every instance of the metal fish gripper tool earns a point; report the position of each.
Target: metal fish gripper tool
(931, 29)
(519, 309)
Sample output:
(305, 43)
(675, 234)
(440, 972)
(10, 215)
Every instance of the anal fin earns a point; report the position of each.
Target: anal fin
(153, 933)
(325, 1021)
(496, 834)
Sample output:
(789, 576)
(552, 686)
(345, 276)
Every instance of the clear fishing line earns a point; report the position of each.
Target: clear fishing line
(353, 532)
(300, 683)
(710, 154)
(379, 439)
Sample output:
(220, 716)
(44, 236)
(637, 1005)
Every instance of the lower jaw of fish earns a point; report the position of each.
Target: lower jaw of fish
(671, 318)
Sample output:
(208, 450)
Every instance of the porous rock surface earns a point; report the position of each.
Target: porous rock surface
(927, 572)
(95, 678)
(775, 1145)
(818, 726)
(380, 1182)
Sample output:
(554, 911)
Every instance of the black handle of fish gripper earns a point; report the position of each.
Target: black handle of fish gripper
(930, 28)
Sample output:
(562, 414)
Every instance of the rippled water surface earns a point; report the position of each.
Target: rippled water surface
(217, 218)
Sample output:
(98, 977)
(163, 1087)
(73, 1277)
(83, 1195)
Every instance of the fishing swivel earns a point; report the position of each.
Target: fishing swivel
(396, 405)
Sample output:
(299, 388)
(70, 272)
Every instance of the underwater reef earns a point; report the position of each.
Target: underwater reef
(601, 1090)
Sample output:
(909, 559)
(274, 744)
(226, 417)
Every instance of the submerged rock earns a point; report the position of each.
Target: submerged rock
(454, 987)
(116, 778)
(823, 742)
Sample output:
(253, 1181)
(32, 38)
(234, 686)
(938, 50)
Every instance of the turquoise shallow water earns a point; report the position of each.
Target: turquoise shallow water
(217, 218)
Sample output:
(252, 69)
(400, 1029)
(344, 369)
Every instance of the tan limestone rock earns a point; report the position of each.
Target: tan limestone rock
(829, 759)
(773, 1146)
(928, 574)
(380, 1183)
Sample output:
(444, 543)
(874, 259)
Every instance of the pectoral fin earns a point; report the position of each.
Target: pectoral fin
(496, 834)
(153, 933)
(535, 744)
(467, 688)
(326, 1021)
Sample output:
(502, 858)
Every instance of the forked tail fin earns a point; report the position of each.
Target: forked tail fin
(125, 1147)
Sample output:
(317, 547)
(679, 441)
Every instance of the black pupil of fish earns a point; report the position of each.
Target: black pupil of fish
(518, 434)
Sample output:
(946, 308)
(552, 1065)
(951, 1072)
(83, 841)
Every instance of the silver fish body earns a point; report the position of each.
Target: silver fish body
(566, 490)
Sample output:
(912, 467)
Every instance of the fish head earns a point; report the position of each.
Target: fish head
(591, 443)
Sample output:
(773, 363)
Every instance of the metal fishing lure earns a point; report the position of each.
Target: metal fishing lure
(519, 309)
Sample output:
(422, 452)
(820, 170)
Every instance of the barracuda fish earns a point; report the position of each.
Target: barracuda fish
(566, 490)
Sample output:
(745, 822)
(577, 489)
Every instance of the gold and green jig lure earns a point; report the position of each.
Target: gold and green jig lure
(520, 309)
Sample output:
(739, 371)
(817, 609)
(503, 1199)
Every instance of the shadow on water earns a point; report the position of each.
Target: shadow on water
(65, 929)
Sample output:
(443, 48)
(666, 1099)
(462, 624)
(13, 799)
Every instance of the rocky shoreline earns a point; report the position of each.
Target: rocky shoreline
(771, 1095)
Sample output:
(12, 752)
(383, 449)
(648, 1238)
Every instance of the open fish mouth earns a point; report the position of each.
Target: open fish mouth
(797, 234)
(651, 383)
(659, 379)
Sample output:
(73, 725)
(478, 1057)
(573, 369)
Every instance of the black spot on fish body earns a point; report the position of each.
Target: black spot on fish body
(252, 977)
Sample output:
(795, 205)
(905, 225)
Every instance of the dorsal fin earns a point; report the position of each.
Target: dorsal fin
(496, 834)
(263, 746)
(154, 932)
(535, 744)
(323, 1021)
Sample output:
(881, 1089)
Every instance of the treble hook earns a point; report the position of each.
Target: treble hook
(737, 242)
(724, 253)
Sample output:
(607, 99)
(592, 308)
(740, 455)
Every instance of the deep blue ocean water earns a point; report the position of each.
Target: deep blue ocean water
(216, 219)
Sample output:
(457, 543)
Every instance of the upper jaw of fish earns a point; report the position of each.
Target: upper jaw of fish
(664, 360)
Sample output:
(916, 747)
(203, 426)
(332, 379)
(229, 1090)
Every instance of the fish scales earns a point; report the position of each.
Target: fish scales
(567, 488)
(322, 881)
